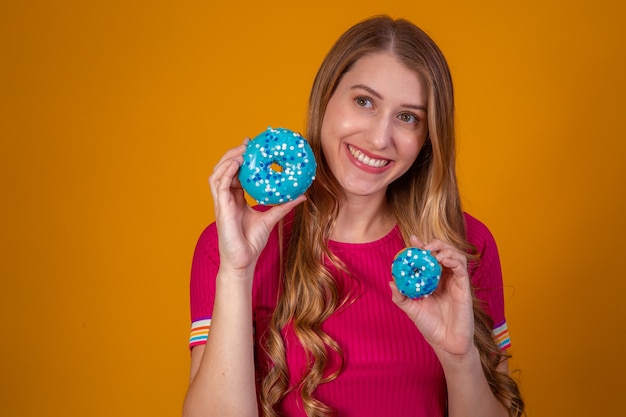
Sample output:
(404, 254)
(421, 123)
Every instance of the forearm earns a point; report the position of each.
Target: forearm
(224, 384)
(469, 394)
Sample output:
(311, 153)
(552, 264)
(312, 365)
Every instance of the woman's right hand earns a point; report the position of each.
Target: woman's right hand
(243, 232)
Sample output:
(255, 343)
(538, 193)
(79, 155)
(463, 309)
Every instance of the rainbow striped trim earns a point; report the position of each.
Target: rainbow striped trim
(199, 332)
(501, 333)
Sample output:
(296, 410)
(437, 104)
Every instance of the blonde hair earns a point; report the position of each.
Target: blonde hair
(309, 294)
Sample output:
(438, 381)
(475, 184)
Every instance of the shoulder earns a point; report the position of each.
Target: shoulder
(207, 242)
(478, 234)
(207, 246)
(486, 273)
(485, 269)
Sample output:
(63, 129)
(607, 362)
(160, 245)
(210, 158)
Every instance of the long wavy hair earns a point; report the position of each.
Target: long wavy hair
(425, 202)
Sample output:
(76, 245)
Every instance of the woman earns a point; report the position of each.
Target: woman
(304, 320)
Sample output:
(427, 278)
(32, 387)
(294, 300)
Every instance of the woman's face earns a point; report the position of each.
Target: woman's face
(375, 124)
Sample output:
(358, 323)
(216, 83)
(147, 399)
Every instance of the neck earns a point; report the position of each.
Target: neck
(362, 220)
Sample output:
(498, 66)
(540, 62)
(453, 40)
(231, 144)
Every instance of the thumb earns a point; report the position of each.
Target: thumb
(416, 242)
(399, 299)
(277, 212)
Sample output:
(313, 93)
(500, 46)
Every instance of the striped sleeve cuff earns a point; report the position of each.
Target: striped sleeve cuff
(501, 333)
(199, 332)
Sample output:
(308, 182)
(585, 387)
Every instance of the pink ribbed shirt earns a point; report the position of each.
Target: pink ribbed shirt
(390, 370)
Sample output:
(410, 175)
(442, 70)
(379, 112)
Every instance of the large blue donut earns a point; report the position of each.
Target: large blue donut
(416, 272)
(283, 148)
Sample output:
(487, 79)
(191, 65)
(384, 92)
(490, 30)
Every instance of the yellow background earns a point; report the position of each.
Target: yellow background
(112, 115)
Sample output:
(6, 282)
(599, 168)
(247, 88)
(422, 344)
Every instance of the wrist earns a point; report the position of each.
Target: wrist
(454, 361)
(234, 276)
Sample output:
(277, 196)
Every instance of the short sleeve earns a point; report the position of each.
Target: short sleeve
(204, 267)
(486, 273)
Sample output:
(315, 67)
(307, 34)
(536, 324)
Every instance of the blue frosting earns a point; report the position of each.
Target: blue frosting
(278, 166)
(416, 272)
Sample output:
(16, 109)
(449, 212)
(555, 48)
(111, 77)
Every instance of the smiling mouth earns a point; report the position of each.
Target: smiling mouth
(361, 157)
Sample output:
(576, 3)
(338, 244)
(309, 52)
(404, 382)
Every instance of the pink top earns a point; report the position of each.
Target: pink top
(390, 370)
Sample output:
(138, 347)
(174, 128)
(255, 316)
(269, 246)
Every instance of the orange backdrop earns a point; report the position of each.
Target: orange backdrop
(112, 115)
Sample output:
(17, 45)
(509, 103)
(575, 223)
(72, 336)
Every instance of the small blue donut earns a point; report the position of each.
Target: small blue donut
(416, 272)
(278, 166)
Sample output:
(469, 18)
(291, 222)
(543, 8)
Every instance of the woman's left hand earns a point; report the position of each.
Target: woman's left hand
(446, 317)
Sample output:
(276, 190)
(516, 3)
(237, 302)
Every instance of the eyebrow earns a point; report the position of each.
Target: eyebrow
(380, 97)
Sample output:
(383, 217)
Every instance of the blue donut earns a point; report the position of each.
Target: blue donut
(416, 272)
(278, 166)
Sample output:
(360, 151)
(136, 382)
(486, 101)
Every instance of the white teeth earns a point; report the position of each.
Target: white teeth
(376, 163)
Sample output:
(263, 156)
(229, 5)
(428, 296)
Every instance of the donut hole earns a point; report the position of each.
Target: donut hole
(276, 167)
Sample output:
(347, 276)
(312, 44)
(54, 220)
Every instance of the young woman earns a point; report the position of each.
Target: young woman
(304, 317)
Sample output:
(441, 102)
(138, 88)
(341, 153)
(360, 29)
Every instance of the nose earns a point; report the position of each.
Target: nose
(380, 133)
